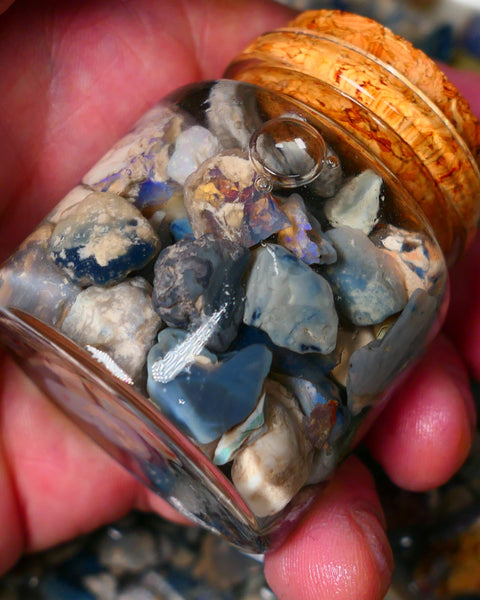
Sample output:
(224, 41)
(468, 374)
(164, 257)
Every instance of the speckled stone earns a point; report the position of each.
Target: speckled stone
(102, 240)
(366, 281)
(30, 270)
(419, 259)
(131, 551)
(270, 471)
(304, 237)
(221, 198)
(119, 320)
(289, 301)
(193, 278)
(357, 203)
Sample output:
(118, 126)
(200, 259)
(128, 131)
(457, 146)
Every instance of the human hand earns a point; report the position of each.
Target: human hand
(74, 79)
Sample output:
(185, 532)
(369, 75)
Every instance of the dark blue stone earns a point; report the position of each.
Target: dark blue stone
(180, 229)
(312, 366)
(153, 193)
(205, 400)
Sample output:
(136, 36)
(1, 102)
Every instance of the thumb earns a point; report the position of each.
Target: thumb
(339, 549)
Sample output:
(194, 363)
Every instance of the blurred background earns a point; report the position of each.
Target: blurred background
(435, 535)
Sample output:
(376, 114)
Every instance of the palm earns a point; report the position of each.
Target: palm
(73, 80)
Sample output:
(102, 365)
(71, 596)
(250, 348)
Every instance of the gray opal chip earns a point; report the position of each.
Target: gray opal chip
(291, 302)
(367, 283)
(194, 278)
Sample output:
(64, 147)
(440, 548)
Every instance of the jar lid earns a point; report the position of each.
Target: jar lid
(388, 95)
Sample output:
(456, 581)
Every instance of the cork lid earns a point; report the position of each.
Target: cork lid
(388, 95)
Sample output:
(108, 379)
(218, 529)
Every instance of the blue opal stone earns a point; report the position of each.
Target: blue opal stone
(153, 193)
(327, 418)
(375, 366)
(367, 283)
(206, 399)
(180, 229)
(102, 240)
(310, 365)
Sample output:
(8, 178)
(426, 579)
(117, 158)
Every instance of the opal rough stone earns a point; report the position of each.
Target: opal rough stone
(207, 399)
(271, 470)
(118, 320)
(304, 237)
(221, 198)
(102, 239)
(357, 203)
(367, 283)
(192, 147)
(194, 278)
(376, 365)
(289, 301)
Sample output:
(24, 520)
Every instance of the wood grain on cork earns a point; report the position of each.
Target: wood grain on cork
(329, 60)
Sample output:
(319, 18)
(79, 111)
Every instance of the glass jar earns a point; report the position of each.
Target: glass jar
(229, 292)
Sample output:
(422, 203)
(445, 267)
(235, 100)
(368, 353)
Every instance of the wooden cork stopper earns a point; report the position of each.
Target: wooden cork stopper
(391, 98)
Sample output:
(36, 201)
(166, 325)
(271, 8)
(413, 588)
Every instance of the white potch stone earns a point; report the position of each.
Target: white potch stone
(192, 147)
(119, 321)
(272, 469)
(357, 203)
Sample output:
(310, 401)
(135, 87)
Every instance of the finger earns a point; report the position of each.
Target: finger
(426, 430)
(339, 549)
(4, 4)
(463, 318)
(62, 483)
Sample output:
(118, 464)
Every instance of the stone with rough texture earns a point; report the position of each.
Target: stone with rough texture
(304, 236)
(192, 147)
(272, 469)
(419, 259)
(118, 320)
(194, 278)
(357, 203)
(366, 281)
(102, 239)
(221, 198)
(289, 301)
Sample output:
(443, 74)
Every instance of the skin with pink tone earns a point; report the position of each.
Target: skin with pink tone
(75, 77)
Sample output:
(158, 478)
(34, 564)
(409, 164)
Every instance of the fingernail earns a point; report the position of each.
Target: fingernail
(377, 541)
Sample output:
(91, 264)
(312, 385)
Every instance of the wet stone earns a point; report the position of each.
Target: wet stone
(203, 397)
(30, 268)
(290, 302)
(221, 198)
(102, 240)
(131, 551)
(118, 320)
(366, 281)
(272, 469)
(194, 278)
(357, 203)
(304, 236)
